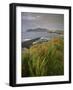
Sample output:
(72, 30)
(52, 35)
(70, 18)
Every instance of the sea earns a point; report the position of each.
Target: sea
(25, 36)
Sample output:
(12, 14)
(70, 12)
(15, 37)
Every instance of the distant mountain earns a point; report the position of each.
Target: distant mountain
(38, 30)
(46, 30)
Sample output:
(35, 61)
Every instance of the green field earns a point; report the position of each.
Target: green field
(44, 59)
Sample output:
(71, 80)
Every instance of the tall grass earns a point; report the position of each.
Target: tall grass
(45, 59)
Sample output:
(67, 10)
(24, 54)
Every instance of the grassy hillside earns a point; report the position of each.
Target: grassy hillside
(45, 59)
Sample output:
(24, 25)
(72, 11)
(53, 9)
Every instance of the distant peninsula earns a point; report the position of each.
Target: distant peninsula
(45, 30)
(38, 30)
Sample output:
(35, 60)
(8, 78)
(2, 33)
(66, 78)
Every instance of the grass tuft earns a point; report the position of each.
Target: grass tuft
(45, 59)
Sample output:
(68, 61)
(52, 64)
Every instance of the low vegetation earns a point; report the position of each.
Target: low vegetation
(44, 59)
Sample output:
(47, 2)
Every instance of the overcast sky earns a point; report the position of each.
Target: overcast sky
(39, 20)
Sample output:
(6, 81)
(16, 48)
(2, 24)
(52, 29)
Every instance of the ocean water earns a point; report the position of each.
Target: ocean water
(33, 35)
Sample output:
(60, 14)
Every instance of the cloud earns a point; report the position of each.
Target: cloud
(29, 17)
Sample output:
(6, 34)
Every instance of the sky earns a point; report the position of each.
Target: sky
(41, 20)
